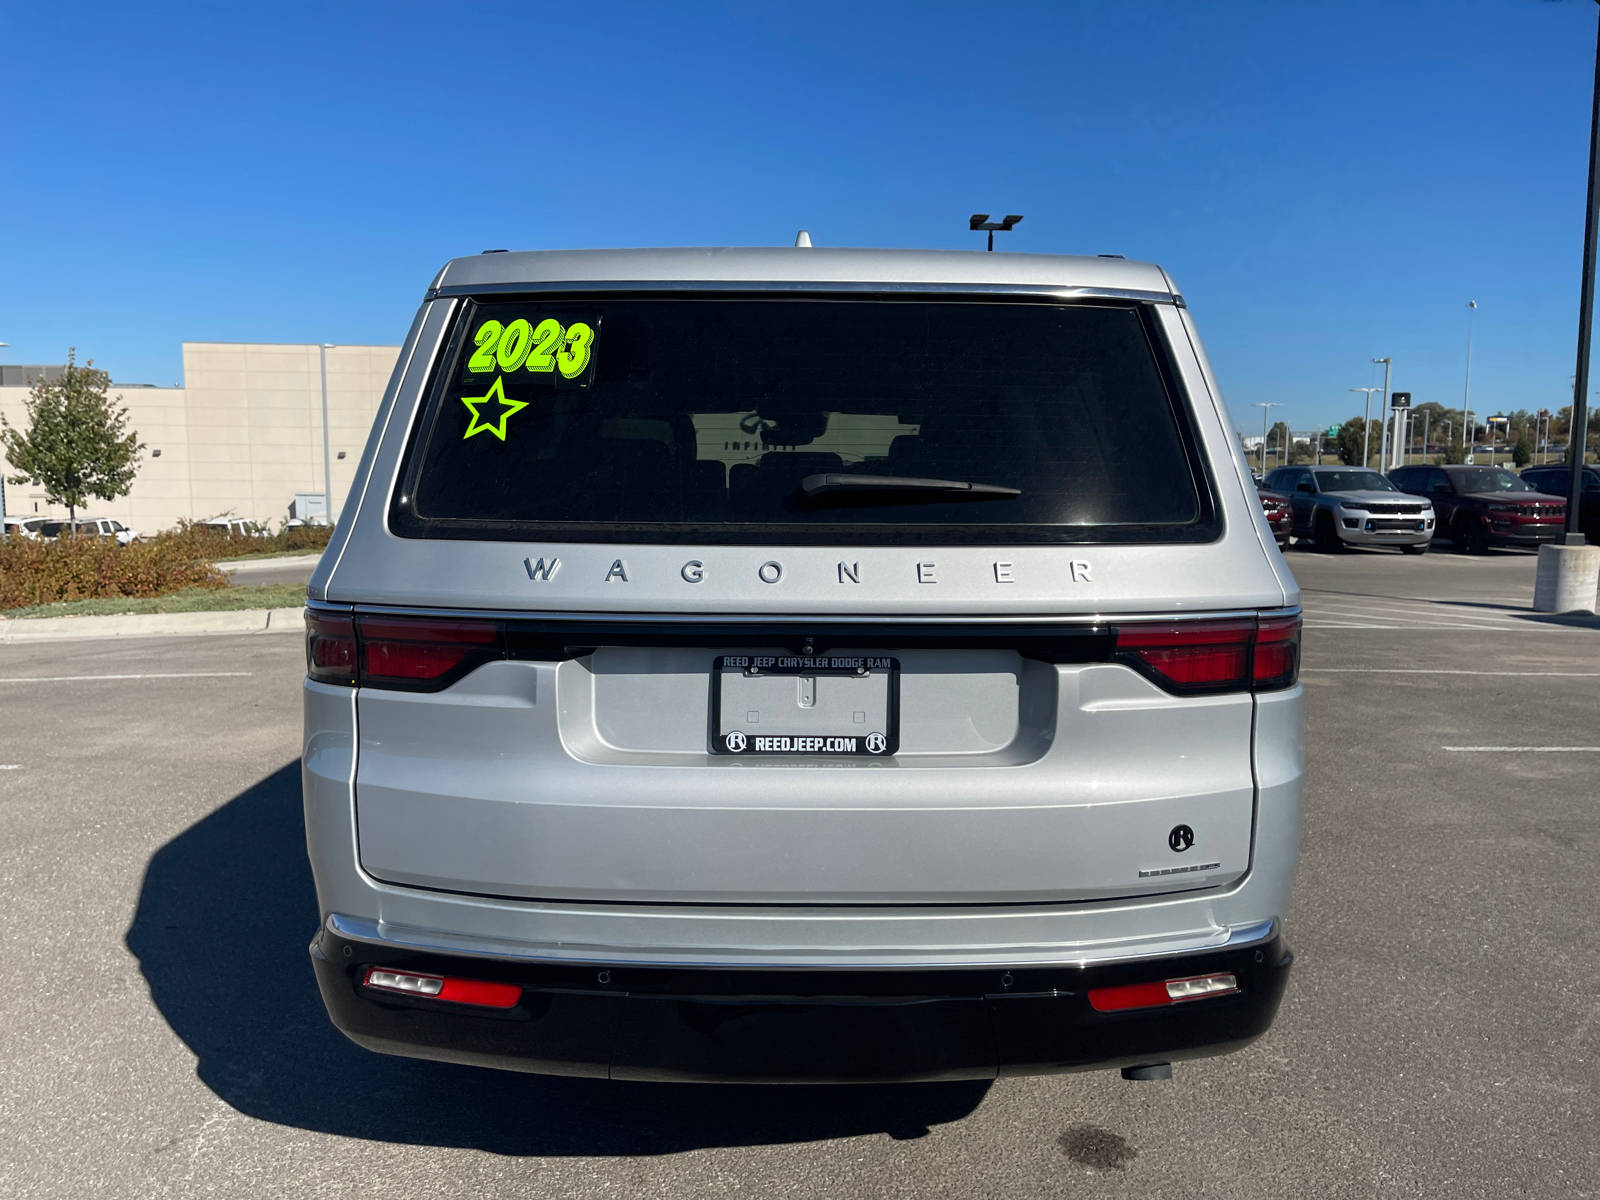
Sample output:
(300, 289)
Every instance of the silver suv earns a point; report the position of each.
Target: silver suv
(802, 665)
(1336, 506)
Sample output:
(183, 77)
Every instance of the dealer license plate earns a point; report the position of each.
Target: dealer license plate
(827, 704)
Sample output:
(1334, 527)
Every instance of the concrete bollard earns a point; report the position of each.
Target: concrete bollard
(1567, 580)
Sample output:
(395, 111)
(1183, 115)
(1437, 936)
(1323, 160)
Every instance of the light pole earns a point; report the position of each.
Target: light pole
(327, 455)
(1450, 431)
(1427, 419)
(1578, 434)
(1264, 415)
(1389, 434)
(981, 221)
(3, 346)
(1466, 388)
(1366, 422)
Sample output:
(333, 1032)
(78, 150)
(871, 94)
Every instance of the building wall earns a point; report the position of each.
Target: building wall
(241, 437)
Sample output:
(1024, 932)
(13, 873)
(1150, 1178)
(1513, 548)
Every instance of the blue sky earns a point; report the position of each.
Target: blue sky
(1326, 182)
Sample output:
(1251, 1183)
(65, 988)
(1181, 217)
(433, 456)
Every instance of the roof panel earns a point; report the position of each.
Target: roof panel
(778, 264)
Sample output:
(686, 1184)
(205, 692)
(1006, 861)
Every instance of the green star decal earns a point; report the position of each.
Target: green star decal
(508, 408)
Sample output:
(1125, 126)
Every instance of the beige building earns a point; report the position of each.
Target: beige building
(242, 436)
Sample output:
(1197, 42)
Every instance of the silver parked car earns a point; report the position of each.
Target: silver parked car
(1336, 506)
(802, 665)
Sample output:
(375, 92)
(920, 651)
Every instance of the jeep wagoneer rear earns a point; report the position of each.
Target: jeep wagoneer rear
(802, 665)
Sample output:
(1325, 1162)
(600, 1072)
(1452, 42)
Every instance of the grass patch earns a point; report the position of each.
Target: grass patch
(309, 552)
(266, 595)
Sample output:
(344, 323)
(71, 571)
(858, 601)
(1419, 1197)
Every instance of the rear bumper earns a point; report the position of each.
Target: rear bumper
(715, 1025)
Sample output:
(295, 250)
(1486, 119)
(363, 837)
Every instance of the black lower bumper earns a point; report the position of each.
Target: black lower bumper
(737, 1026)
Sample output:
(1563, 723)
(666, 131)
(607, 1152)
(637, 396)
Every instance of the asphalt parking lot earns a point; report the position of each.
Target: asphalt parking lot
(162, 1035)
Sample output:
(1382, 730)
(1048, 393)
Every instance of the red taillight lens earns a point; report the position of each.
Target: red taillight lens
(1199, 656)
(1277, 657)
(421, 650)
(1202, 657)
(1170, 991)
(331, 649)
(444, 987)
(405, 653)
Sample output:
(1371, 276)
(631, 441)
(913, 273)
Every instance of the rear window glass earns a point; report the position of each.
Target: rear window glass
(688, 419)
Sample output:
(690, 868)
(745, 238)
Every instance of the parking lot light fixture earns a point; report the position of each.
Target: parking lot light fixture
(1366, 421)
(981, 221)
(1386, 448)
(1264, 415)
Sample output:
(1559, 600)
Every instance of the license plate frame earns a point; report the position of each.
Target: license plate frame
(839, 682)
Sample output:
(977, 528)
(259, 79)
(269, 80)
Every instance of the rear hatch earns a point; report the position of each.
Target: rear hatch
(816, 601)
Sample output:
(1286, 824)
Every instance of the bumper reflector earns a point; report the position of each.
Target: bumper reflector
(444, 987)
(1172, 991)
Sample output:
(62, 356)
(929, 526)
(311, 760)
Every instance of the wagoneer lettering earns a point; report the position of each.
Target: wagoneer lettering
(811, 735)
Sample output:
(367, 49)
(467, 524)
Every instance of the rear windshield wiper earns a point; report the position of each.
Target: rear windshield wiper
(896, 489)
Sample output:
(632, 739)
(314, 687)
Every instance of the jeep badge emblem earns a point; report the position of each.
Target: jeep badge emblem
(1180, 839)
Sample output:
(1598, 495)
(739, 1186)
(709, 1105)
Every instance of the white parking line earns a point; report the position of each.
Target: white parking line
(1445, 671)
(1337, 611)
(163, 675)
(10, 766)
(1523, 749)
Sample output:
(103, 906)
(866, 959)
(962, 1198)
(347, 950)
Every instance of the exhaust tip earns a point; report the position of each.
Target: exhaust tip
(1150, 1072)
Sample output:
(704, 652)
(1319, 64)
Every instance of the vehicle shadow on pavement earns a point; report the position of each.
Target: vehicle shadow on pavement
(225, 914)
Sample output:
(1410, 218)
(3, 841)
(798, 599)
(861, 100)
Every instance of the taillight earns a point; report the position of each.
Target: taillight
(419, 654)
(1209, 657)
(331, 648)
(480, 992)
(1196, 656)
(1168, 991)
(1277, 656)
(412, 651)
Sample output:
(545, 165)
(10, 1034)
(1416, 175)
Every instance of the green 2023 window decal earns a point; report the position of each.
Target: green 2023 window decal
(547, 348)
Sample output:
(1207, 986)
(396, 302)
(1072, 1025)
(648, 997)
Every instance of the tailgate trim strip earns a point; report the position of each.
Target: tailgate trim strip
(381, 933)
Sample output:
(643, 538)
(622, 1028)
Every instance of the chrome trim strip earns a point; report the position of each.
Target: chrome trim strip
(1046, 291)
(378, 933)
(819, 619)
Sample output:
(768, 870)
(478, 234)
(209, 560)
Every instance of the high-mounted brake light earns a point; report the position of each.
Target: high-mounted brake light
(1207, 657)
(444, 987)
(1170, 991)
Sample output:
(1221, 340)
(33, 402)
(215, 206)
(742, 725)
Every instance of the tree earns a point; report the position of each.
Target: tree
(77, 443)
(1348, 442)
(1522, 448)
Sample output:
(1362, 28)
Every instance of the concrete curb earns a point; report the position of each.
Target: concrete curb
(57, 629)
(269, 564)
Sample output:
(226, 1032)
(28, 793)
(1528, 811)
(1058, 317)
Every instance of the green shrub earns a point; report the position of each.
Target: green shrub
(86, 568)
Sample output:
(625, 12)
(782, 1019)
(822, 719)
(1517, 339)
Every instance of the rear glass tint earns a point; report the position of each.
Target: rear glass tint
(690, 419)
